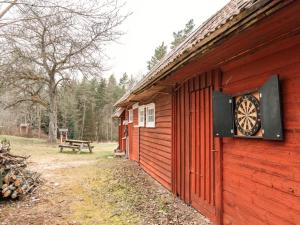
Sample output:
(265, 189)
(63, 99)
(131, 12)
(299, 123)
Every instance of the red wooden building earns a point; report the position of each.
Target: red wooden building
(186, 126)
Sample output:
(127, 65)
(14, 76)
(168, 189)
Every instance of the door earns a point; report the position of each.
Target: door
(202, 168)
(196, 154)
(134, 137)
(130, 140)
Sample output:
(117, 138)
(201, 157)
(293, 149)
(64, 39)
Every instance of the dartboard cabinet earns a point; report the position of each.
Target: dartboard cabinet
(252, 114)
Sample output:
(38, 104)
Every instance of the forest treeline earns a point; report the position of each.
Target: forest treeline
(84, 107)
(51, 68)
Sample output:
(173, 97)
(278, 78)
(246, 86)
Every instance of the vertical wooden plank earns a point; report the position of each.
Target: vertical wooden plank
(130, 136)
(193, 142)
(191, 85)
(197, 133)
(204, 160)
(201, 138)
(209, 79)
(120, 131)
(207, 144)
(211, 153)
(174, 122)
(203, 81)
(202, 144)
(182, 182)
(182, 143)
(219, 161)
(173, 151)
(196, 85)
(199, 148)
(178, 144)
(187, 143)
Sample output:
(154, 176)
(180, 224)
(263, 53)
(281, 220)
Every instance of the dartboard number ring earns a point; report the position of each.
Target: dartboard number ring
(247, 115)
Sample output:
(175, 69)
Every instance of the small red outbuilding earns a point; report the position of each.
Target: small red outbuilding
(217, 121)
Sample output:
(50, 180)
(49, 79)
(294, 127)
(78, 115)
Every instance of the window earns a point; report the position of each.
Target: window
(130, 116)
(141, 116)
(150, 115)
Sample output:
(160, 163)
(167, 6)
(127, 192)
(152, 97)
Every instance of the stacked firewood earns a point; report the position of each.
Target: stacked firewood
(15, 179)
(5, 145)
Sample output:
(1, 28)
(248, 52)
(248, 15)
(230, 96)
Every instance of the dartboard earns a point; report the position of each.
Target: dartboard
(247, 115)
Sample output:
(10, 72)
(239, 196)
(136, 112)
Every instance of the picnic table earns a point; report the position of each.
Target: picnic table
(76, 145)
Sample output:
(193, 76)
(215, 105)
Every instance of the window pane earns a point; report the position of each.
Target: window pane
(130, 115)
(150, 119)
(141, 117)
(150, 114)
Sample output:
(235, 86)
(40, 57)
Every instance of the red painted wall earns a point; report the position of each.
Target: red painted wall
(134, 137)
(130, 137)
(155, 143)
(261, 179)
(121, 132)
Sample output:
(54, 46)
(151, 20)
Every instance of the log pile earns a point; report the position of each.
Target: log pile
(5, 145)
(15, 179)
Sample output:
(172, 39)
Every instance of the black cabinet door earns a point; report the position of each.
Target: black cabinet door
(271, 109)
(222, 115)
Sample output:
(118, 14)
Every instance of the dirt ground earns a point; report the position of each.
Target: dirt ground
(96, 189)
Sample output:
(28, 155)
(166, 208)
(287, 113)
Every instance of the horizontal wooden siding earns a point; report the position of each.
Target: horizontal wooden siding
(155, 143)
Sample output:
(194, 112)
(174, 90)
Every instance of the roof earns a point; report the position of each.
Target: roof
(231, 14)
(118, 112)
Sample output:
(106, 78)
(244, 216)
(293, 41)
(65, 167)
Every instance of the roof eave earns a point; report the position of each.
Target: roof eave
(239, 23)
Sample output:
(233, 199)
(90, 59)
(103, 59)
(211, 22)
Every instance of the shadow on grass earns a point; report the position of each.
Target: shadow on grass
(76, 153)
(97, 154)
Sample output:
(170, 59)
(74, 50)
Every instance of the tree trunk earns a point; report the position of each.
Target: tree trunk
(52, 134)
(111, 129)
(39, 120)
(83, 121)
(107, 130)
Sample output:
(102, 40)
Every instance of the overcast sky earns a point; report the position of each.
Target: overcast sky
(151, 22)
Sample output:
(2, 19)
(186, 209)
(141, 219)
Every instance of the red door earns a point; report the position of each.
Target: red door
(196, 154)
(130, 139)
(202, 168)
(134, 137)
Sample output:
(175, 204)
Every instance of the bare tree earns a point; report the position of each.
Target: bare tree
(55, 43)
(7, 7)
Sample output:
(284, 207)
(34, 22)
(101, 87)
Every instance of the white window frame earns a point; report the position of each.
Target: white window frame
(150, 123)
(130, 116)
(141, 122)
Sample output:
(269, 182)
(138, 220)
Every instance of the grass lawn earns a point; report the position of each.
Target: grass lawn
(91, 189)
(37, 148)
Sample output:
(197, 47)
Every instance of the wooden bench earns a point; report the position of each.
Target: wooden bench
(76, 145)
(73, 147)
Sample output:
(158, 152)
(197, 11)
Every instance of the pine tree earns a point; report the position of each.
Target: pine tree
(181, 35)
(85, 107)
(124, 82)
(100, 94)
(101, 100)
(159, 53)
(132, 81)
(89, 125)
